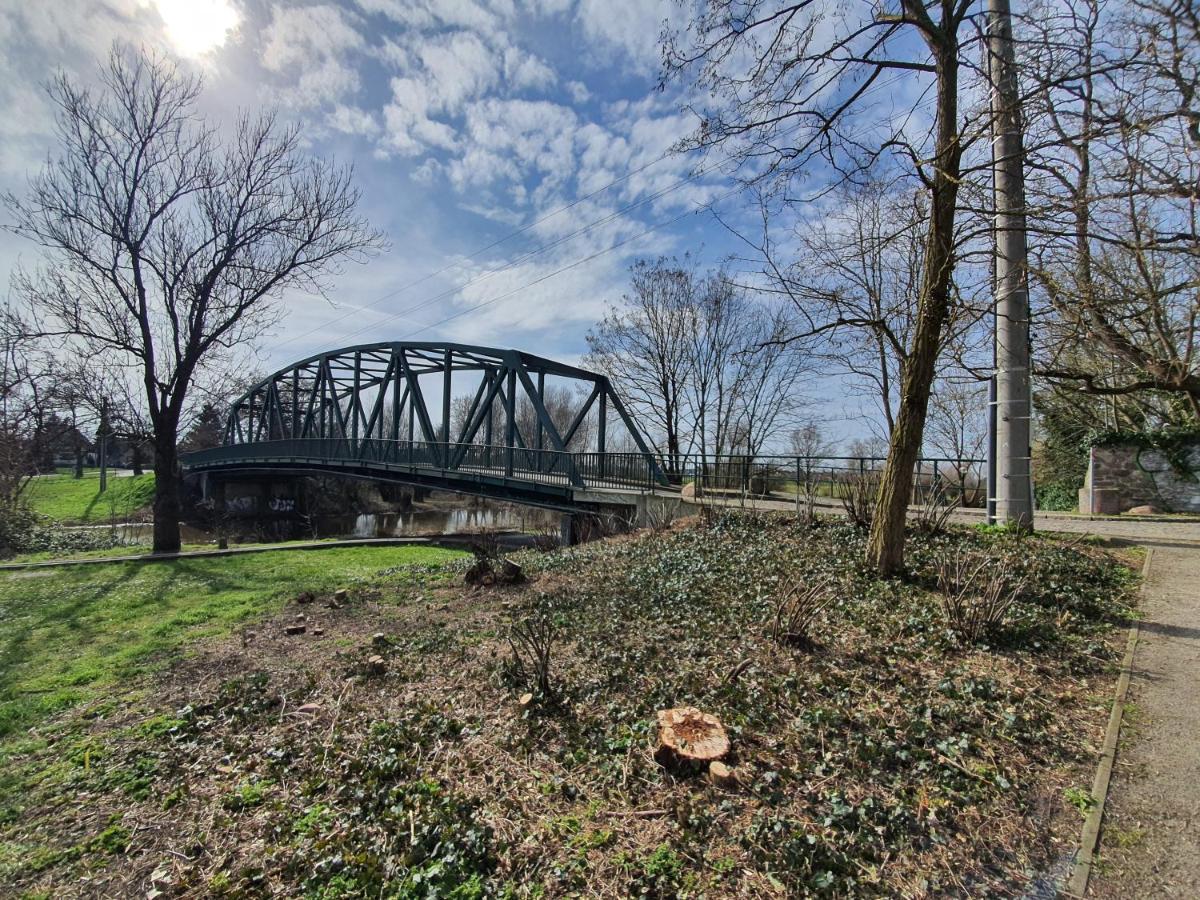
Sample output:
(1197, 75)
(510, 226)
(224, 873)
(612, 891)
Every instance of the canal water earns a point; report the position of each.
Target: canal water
(442, 520)
(449, 518)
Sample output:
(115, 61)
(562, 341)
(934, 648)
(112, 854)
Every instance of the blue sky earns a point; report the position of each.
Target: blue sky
(466, 120)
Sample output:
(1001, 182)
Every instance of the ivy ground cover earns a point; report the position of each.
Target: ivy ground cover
(395, 747)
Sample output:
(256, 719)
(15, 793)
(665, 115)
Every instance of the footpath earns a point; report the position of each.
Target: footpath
(1150, 837)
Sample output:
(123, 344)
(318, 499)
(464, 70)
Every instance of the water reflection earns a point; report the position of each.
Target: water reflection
(451, 520)
(423, 521)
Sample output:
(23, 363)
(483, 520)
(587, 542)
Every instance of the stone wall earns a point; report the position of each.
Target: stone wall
(1124, 476)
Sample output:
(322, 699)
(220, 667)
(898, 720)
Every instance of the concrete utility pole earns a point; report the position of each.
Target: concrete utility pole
(1012, 488)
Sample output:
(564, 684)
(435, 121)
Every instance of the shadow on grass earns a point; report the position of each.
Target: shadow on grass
(102, 624)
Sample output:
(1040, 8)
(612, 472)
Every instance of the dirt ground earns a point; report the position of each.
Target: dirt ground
(1151, 833)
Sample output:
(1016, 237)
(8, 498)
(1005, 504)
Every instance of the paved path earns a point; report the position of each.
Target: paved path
(1169, 530)
(1150, 842)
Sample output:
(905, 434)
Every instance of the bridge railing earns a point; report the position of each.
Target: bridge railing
(480, 460)
(950, 480)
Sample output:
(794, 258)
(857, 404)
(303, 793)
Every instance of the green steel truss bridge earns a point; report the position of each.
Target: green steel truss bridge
(478, 420)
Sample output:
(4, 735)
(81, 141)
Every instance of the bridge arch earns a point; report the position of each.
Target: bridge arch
(398, 410)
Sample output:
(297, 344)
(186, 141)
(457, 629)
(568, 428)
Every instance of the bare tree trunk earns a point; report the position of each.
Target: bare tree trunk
(885, 550)
(167, 506)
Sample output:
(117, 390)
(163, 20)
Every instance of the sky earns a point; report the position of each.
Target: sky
(514, 152)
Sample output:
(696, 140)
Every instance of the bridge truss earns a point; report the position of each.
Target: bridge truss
(456, 412)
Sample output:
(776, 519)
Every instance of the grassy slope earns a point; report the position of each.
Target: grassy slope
(68, 634)
(78, 500)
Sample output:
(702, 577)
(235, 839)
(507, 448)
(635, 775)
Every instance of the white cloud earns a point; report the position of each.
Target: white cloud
(427, 172)
(457, 67)
(311, 44)
(537, 134)
(578, 91)
(631, 27)
(442, 76)
(353, 120)
(295, 34)
(526, 72)
(425, 14)
(408, 128)
(548, 7)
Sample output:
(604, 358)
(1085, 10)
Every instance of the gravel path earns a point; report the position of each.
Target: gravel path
(1150, 843)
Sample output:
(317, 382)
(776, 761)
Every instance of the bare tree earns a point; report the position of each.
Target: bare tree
(643, 345)
(709, 364)
(784, 83)
(1114, 160)
(957, 431)
(166, 246)
(809, 444)
(957, 426)
(562, 403)
(22, 416)
(744, 371)
(854, 281)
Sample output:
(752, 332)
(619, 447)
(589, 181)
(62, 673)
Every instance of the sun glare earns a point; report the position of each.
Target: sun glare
(196, 26)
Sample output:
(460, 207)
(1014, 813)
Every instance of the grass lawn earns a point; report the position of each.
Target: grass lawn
(78, 500)
(67, 635)
(409, 751)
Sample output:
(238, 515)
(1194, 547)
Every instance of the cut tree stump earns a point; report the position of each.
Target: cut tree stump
(488, 571)
(722, 776)
(689, 739)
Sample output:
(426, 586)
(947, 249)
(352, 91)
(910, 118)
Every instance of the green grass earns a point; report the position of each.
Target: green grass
(78, 500)
(67, 634)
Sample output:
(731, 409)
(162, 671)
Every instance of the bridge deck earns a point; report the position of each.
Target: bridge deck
(537, 476)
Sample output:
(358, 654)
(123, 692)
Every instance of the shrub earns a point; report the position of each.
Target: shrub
(531, 643)
(861, 492)
(976, 594)
(1057, 496)
(17, 522)
(935, 510)
(796, 611)
(24, 531)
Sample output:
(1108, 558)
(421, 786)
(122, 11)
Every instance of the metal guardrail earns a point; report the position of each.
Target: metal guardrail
(957, 480)
(961, 481)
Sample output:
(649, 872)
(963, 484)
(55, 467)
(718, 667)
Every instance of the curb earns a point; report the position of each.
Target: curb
(231, 551)
(1089, 840)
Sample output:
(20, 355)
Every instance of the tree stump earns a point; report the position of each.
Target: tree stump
(722, 776)
(689, 739)
(488, 571)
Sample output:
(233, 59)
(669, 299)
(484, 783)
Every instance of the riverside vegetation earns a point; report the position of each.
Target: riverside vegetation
(405, 745)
